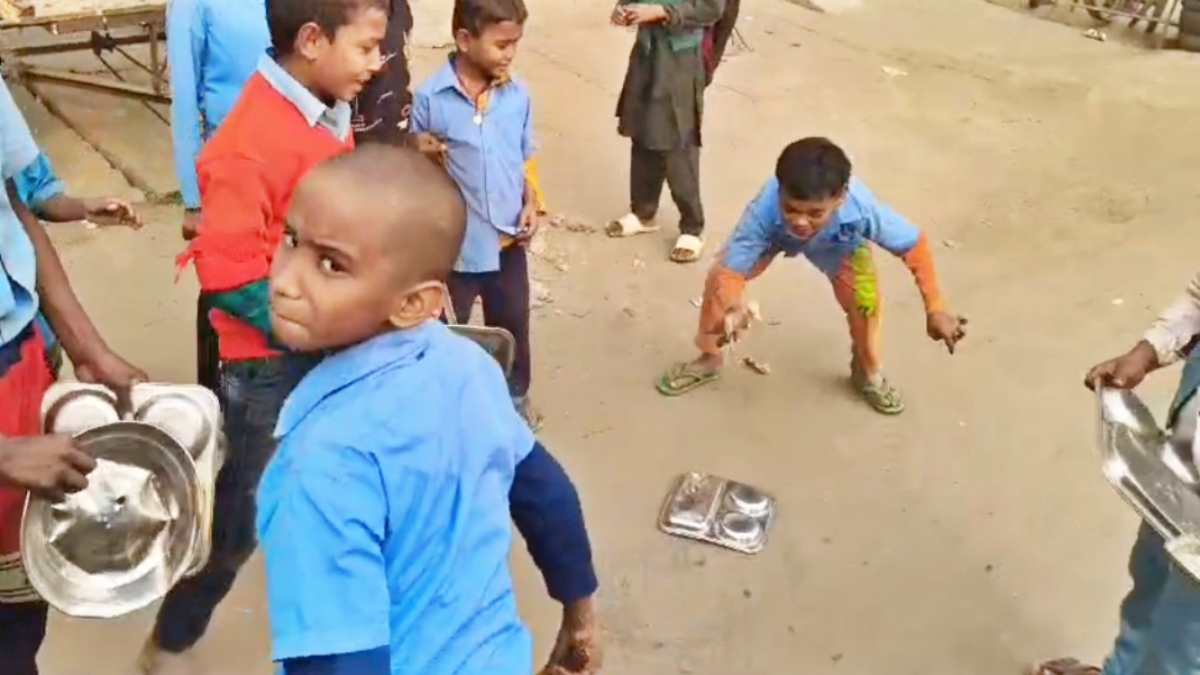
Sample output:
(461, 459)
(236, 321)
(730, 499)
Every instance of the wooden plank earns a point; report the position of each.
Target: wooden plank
(14, 10)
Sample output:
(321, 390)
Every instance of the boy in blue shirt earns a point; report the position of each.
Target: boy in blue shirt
(483, 115)
(384, 515)
(813, 207)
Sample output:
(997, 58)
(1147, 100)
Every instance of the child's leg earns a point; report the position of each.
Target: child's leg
(856, 287)
(464, 288)
(722, 289)
(506, 305)
(683, 178)
(647, 173)
(252, 393)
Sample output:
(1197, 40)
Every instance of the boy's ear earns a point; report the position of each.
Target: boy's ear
(462, 39)
(310, 40)
(418, 304)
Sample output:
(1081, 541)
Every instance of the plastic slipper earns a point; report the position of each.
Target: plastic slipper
(687, 249)
(627, 226)
(684, 377)
(883, 397)
(1063, 667)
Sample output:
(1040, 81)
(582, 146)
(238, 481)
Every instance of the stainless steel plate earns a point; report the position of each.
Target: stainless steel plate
(497, 342)
(80, 409)
(718, 511)
(1140, 463)
(123, 542)
(179, 415)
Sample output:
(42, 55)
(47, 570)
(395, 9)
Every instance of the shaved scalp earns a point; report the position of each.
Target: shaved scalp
(412, 206)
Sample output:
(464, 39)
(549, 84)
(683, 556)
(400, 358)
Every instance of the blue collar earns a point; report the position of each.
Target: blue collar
(335, 119)
(445, 78)
(394, 349)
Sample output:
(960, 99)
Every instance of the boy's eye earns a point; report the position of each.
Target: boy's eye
(289, 239)
(329, 265)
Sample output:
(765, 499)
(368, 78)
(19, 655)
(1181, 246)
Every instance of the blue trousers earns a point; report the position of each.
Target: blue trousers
(252, 393)
(1160, 617)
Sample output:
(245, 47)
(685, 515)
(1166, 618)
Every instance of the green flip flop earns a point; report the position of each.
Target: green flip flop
(684, 377)
(883, 397)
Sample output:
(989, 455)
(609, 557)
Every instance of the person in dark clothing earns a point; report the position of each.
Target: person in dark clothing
(380, 113)
(660, 110)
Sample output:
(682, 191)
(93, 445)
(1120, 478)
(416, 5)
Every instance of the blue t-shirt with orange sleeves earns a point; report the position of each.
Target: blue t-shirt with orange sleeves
(762, 231)
(384, 515)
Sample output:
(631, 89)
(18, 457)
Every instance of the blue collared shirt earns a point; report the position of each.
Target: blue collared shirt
(384, 516)
(762, 231)
(488, 148)
(213, 47)
(18, 294)
(336, 119)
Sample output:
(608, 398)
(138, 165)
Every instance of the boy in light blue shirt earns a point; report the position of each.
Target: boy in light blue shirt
(384, 515)
(484, 117)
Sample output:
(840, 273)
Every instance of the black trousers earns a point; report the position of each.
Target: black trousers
(505, 296)
(22, 629)
(680, 170)
(208, 355)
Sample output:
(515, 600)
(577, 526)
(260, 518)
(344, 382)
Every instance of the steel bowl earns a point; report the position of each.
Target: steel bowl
(120, 544)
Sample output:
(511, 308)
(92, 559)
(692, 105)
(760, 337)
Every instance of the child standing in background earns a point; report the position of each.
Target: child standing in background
(812, 207)
(660, 110)
(484, 117)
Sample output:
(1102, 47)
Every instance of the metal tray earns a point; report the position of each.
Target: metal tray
(719, 511)
(1146, 470)
(120, 544)
(189, 413)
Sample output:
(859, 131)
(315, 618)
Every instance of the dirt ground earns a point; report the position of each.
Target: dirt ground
(970, 535)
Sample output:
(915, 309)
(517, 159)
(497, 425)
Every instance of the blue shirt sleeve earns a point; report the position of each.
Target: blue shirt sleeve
(527, 144)
(186, 44)
(888, 229)
(322, 521)
(17, 149)
(545, 508)
(37, 182)
(750, 241)
(418, 118)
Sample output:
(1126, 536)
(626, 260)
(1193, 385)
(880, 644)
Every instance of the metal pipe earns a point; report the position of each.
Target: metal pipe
(75, 46)
(133, 91)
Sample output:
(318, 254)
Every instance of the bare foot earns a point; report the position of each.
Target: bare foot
(707, 364)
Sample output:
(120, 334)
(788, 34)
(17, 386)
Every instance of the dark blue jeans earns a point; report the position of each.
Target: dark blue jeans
(1160, 618)
(252, 393)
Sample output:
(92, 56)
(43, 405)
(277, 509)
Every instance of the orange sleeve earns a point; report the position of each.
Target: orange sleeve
(535, 185)
(231, 249)
(919, 260)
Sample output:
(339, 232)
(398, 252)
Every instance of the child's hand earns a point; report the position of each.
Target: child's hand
(108, 211)
(1126, 371)
(190, 227)
(738, 319)
(946, 328)
(527, 225)
(636, 15)
(576, 650)
(619, 16)
(431, 146)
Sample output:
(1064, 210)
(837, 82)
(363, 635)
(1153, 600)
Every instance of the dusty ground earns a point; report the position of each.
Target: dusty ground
(968, 536)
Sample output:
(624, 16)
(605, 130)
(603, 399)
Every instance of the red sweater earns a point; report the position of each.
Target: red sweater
(247, 172)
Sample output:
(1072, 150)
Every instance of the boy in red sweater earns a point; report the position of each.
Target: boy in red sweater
(292, 114)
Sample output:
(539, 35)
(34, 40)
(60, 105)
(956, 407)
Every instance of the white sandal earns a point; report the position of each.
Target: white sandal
(687, 249)
(628, 225)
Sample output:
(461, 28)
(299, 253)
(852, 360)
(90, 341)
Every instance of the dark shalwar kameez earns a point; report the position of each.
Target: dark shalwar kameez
(660, 110)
